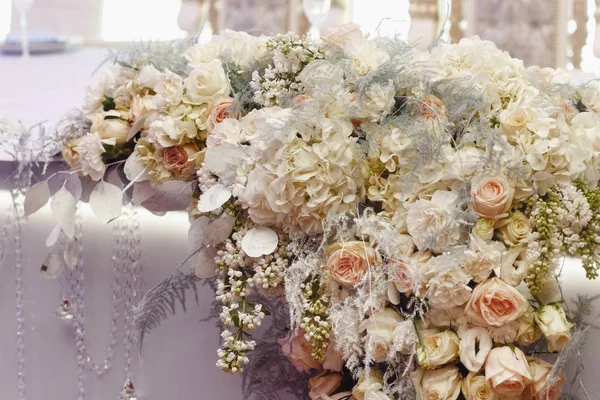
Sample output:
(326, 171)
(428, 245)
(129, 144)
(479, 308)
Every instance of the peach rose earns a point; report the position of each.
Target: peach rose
(540, 389)
(349, 262)
(552, 321)
(333, 360)
(299, 352)
(323, 385)
(431, 107)
(178, 159)
(218, 111)
(495, 303)
(403, 277)
(440, 384)
(507, 371)
(474, 387)
(299, 99)
(492, 196)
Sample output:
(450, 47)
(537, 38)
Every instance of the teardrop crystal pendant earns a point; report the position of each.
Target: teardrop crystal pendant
(128, 392)
(64, 311)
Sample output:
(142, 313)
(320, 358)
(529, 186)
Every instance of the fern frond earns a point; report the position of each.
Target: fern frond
(161, 301)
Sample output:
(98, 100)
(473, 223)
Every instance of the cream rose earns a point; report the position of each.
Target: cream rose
(218, 111)
(431, 107)
(438, 348)
(552, 321)
(527, 332)
(495, 303)
(507, 371)
(541, 389)
(349, 262)
(515, 229)
(475, 387)
(379, 329)
(438, 384)
(492, 196)
(475, 345)
(484, 228)
(112, 127)
(323, 385)
(207, 82)
(342, 35)
(370, 387)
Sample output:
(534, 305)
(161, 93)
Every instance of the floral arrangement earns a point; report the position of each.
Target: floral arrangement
(411, 208)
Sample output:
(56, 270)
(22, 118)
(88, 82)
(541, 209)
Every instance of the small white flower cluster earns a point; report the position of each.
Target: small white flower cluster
(280, 80)
(232, 291)
(232, 357)
(315, 319)
(269, 270)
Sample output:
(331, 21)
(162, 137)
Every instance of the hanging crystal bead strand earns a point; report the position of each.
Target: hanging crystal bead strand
(77, 301)
(21, 181)
(132, 293)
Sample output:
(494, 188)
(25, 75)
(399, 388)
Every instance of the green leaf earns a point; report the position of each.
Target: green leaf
(109, 104)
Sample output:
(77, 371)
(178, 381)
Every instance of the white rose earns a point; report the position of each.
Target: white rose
(590, 97)
(432, 223)
(438, 384)
(364, 56)
(242, 49)
(376, 102)
(379, 329)
(202, 53)
(475, 345)
(148, 77)
(207, 82)
(552, 321)
(474, 387)
(514, 118)
(437, 348)
(343, 34)
(506, 333)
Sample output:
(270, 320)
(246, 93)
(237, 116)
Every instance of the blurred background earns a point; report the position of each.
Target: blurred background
(559, 33)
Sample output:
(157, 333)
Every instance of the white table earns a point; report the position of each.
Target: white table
(180, 356)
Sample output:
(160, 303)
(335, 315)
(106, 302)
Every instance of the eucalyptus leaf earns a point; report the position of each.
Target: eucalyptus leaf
(106, 201)
(37, 196)
(63, 206)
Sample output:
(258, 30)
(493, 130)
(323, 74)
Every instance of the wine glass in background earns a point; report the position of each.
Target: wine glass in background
(316, 13)
(22, 7)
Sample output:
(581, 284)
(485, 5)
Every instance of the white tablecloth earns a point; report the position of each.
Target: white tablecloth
(180, 356)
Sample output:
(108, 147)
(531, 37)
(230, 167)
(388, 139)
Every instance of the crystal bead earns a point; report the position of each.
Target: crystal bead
(64, 311)
(128, 392)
